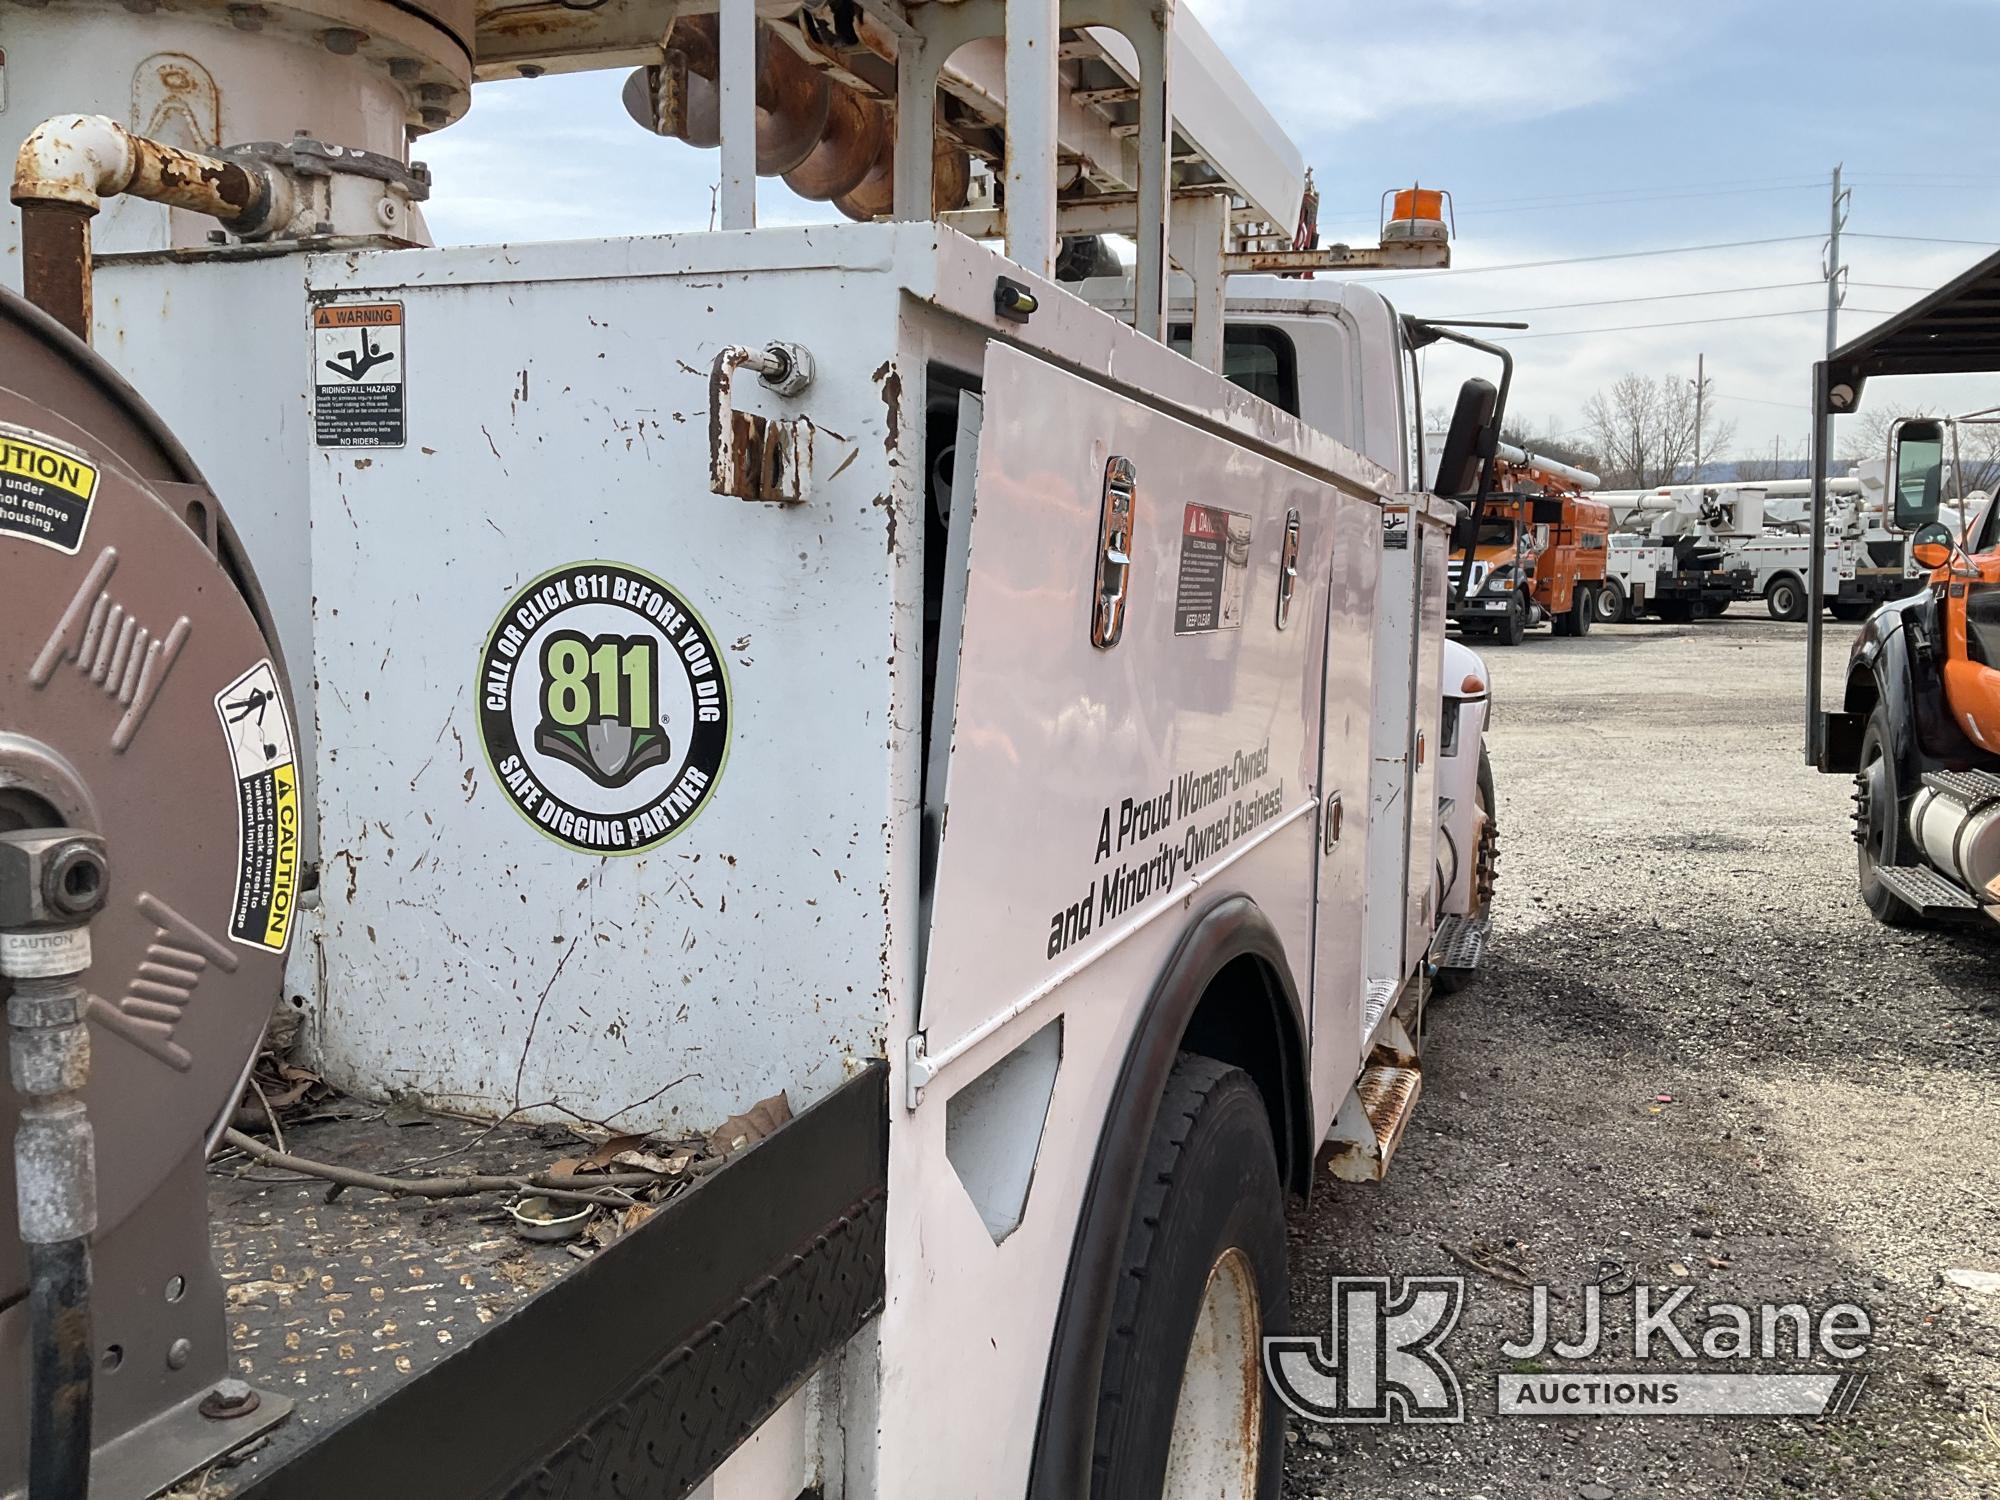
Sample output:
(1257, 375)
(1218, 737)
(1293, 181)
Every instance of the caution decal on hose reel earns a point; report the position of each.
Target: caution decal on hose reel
(252, 711)
(45, 490)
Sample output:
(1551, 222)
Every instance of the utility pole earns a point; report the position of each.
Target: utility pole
(1822, 430)
(1700, 388)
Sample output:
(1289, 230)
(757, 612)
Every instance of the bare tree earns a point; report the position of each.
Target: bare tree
(1644, 430)
(1978, 445)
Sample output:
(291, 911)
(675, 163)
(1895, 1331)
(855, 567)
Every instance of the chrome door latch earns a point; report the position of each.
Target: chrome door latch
(1288, 568)
(1114, 554)
(1333, 811)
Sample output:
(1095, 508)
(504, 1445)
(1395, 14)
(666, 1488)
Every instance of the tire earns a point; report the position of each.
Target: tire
(1879, 835)
(1485, 869)
(1582, 611)
(1711, 609)
(1207, 1228)
(1785, 597)
(1675, 611)
(1613, 607)
(1511, 630)
(1562, 624)
(1851, 611)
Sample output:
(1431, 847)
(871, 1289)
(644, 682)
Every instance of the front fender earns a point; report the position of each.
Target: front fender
(1896, 666)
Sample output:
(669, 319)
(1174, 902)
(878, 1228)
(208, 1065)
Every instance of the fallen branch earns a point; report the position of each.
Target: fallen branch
(468, 1186)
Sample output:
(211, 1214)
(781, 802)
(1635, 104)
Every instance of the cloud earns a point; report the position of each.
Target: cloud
(1332, 66)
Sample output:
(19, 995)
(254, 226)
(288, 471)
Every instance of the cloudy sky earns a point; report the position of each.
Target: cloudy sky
(1566, 129)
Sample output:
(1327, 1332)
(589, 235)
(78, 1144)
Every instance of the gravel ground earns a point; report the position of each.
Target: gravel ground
(1677, 918)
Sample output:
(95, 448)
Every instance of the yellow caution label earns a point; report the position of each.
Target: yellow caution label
(285, 856)
(45, 492)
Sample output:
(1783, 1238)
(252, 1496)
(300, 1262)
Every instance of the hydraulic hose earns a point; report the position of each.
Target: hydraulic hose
(59, 1370)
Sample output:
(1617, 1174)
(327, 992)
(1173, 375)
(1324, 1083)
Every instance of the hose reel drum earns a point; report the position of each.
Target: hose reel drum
(142, 699)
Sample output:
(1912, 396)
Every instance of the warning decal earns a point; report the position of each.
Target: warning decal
(267, 808)
(45, 491)
(1215, 570)
(358, 375)
(604, 707)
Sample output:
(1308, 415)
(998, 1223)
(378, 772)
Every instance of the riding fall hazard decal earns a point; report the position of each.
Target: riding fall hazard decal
(604, 707)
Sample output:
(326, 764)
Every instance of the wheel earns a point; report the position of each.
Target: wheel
(1582, 612)
(1510, 630)
(1851, 611)
(1613, 607)
(1675, 611)
(1785, 597)
(1183, 1413)
(1879, 836)
(1562, 624)
(1485, 868)
(1711, 609)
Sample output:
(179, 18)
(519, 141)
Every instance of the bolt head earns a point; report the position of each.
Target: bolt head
(51, 877)
(229, 1398)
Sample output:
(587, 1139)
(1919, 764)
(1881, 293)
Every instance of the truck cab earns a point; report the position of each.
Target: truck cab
(1539, 555)
(1917, 721)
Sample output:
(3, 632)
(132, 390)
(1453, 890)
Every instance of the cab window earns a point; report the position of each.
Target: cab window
(1259, 359)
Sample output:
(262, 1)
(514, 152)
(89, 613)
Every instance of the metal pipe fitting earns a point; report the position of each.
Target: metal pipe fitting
(52, 882)
(69, 165)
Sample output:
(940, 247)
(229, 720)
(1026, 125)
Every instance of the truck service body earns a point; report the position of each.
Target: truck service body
(833, 660)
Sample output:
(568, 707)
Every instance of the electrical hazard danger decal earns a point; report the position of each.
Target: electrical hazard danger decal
(267, 808)
(604, 708)
(45, 490)
(1215, 570)
(358, 374)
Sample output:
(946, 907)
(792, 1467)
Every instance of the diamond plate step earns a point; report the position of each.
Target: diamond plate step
(1460, 942)
(1968, 787)
(1387, 1096)
(1921, 887)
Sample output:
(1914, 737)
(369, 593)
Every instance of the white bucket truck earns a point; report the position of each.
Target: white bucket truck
(833, 660)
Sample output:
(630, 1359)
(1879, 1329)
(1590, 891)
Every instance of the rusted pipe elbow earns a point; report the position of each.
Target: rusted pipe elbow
(69, 165)
(84, 159)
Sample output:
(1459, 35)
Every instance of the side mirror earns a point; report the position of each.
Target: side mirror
(1932, 545)
(1462, 534)
(1916, 458)
(1468, 440)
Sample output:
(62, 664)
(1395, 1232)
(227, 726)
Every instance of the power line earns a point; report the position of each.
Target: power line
(1918, 239)
(1727, 188)
(1577, 260)
(1763, 400)
(1726, 291)
(1796, 312)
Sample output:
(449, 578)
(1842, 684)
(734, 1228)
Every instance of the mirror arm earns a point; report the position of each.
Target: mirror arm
(1489, 474)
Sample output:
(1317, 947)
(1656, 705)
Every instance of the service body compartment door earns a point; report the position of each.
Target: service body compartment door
(1349, 828)
(1093, 790)
(1421, 902)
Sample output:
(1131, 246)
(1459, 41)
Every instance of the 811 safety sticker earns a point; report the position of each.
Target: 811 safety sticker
(45, 490)
(604, 707)
(358, 374)
(267, 808)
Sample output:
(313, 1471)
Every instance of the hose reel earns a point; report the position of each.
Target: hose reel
(142, 700)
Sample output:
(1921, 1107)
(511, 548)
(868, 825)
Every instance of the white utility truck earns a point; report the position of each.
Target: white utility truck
(1755, 535)
(623, 680)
